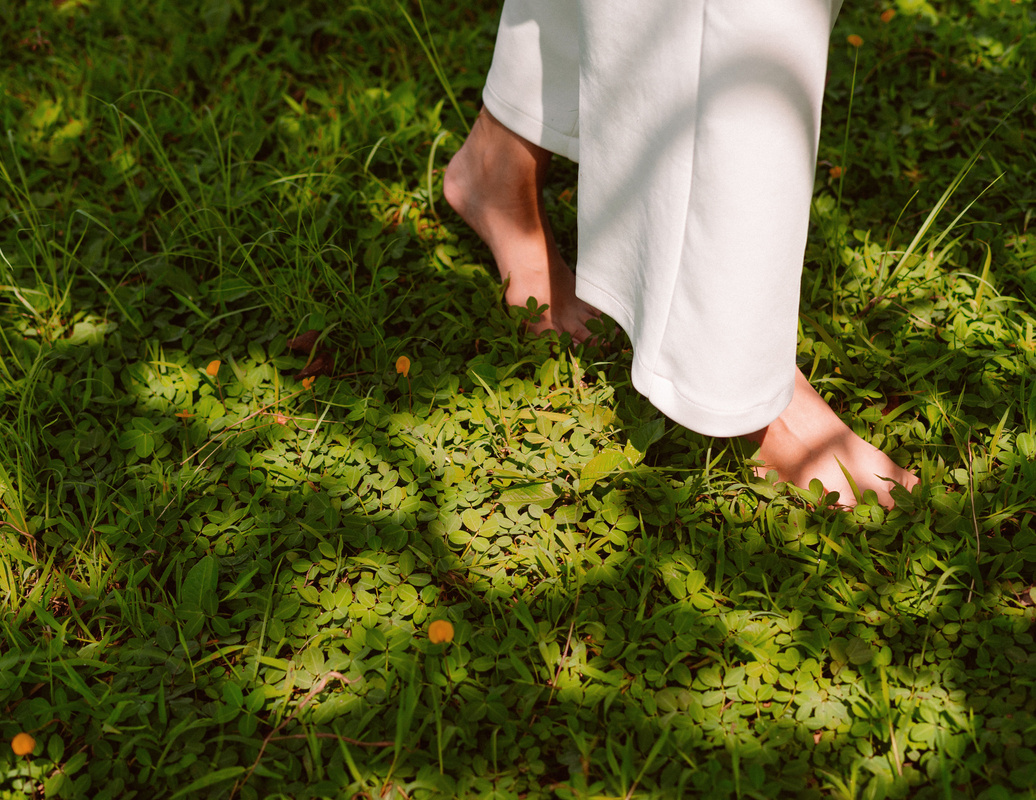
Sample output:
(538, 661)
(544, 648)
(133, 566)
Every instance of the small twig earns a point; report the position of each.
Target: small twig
(241, 421)
(561, 661)
(974, 516)
(31, 544)
(869, 305)
(16, 528)
(893, 743)
(321, 684)
(215, 440)
(564, 655)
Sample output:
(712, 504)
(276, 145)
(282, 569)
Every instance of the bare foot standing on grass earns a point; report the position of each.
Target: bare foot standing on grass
(808, 440)
(495, 182)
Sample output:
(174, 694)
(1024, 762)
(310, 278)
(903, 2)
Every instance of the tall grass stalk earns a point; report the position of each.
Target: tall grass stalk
(427, 43)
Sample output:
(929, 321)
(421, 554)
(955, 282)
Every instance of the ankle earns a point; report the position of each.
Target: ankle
(455, 183)
(756, 436)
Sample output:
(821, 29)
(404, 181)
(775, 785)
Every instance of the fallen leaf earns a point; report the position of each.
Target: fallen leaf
(303, 343)
(322, 364)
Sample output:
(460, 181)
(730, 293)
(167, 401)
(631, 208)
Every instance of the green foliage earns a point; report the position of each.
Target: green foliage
(218, 582)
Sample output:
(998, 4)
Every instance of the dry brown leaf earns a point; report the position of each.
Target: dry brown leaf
(303, 343)
(322, 364)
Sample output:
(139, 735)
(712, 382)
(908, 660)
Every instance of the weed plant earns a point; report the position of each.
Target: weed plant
(223, 538)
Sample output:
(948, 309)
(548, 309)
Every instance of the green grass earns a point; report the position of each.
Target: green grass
(219, 585)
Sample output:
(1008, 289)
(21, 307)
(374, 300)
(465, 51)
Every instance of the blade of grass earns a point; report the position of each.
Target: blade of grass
(427, 43)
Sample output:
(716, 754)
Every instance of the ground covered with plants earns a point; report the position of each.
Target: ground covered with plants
(264, 419)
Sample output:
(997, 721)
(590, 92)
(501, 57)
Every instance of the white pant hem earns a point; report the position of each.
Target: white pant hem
(667, 398)
(528, 127)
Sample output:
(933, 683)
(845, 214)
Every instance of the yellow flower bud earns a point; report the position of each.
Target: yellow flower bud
(440, 631)
(23, 744)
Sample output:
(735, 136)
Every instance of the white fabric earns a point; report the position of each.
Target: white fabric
(695, 124)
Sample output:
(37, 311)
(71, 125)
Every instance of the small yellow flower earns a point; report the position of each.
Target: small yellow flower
(403, 366)
(854, 40)
(23, 744)
(307, 383)
(213, 368)
(440, 631)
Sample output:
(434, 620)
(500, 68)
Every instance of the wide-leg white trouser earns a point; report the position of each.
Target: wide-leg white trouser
(695, 124)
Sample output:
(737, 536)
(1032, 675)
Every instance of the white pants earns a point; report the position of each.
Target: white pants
(695, 124)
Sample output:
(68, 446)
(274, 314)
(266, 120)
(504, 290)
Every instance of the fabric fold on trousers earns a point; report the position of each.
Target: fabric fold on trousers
(696, 132)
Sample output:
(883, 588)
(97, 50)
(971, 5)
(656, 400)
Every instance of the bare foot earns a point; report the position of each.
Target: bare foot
(808, 441)
(495, 182)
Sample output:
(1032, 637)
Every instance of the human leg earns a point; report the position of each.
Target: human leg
(495, 182)
(693, 228)
(699, 122)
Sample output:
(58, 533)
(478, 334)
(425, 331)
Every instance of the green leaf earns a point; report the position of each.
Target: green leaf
(313, 659)
(540, 494)
(568, 515)
(695, 581)
(218, 776)
(472, 519)
(255, 702)
(858, 651)
(233, 696)
(923, 733)
(601, 465)
(55, 784)
(643, 437)
(143, 442)
(75, 763)
(199, 587)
